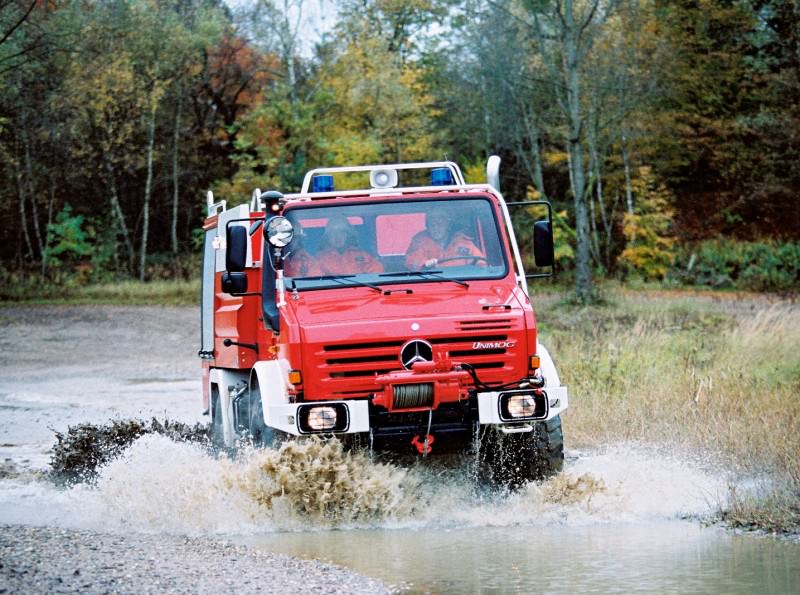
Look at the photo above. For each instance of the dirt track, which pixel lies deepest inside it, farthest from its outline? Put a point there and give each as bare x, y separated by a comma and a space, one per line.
66, 365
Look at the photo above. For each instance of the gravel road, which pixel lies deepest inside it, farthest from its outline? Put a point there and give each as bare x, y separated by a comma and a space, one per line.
51, 560
63, 365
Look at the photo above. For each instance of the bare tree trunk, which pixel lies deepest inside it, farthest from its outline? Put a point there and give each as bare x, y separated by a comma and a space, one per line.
31, 189
487, 119
535, 168
50, 201
288, 34
598, 184
148, 187
176, 173
583, 269
595, 243
627, 169
23, 217
116, 213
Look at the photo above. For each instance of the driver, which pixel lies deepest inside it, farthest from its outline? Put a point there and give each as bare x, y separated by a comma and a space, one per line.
340, 254
439, 242
299, 262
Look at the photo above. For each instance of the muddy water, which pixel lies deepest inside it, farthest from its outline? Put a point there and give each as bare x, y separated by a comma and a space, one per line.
657, 557
622, 519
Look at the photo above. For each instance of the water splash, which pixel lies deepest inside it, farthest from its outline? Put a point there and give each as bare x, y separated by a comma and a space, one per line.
318, 482
158, 485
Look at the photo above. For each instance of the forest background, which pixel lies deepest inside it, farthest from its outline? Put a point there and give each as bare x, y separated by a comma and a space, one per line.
665, 132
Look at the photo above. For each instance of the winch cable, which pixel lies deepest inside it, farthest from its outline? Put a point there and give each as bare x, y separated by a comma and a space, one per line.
479, 384
428, 434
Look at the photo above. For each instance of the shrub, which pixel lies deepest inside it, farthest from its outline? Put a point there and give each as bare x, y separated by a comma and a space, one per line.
649, 249
757, 266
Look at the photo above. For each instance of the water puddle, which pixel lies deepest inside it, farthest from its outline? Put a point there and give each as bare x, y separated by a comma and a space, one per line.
613, 521
662, 557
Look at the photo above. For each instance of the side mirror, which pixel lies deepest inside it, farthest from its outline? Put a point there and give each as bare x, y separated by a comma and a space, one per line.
234, 283
543, 244
235, 248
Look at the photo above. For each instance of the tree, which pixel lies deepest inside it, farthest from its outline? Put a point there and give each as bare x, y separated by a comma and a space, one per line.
565, 33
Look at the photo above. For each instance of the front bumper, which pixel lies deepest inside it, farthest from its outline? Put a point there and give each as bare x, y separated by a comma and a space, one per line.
484, 408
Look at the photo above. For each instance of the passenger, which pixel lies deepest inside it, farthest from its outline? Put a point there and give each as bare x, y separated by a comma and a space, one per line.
299, 262
439, 242
340, 254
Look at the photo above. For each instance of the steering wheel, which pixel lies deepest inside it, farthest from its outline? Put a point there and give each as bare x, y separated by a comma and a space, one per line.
474, 259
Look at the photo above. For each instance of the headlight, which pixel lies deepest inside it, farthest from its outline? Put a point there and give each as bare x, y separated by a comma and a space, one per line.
322, 418
279, 231
331, 417
521, 406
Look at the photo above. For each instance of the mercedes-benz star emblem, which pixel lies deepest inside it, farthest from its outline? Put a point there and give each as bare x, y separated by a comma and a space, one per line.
415, 351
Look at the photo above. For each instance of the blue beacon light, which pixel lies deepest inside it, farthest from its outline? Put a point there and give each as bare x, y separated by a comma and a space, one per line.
441, 176
322, 184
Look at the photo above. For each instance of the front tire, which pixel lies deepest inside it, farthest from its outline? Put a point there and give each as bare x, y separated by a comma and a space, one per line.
513, 460
260, 433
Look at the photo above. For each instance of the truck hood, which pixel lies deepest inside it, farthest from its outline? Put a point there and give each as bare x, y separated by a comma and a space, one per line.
359, 304
348, 337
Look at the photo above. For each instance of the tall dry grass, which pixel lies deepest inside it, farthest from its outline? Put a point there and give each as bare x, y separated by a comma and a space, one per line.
719, 380
174, 293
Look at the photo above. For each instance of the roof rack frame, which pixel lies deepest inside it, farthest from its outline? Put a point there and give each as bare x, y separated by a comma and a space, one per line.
429, 165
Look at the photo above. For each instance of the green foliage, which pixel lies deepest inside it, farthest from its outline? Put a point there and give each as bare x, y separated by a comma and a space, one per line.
650, 248
756, 266
564, 238
705, 91
67, 240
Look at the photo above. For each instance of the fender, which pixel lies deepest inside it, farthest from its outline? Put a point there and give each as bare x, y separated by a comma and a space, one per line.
273, 382
280, 413
557, 393
488, 410
547, 366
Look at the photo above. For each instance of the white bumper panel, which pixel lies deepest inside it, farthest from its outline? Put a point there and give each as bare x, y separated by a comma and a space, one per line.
489, 405
279, 413
284, 417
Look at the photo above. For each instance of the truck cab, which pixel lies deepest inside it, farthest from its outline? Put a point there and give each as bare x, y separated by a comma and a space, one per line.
386, 305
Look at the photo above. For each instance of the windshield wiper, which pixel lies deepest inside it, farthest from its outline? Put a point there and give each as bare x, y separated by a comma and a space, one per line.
432, 274
339, 279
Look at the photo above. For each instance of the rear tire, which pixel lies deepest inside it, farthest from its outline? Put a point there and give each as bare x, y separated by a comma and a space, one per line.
515, 459
217, 435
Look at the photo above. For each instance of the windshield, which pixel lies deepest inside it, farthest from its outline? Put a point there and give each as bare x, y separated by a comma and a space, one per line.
393, 242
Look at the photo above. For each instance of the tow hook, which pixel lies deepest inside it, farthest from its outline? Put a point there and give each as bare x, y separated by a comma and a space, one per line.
423, 444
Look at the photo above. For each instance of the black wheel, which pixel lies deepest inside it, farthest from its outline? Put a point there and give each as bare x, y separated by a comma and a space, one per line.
260, 433
216, 435
515, 459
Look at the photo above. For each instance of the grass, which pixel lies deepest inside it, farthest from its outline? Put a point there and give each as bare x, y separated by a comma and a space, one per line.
173, 293
699, 372
716, 376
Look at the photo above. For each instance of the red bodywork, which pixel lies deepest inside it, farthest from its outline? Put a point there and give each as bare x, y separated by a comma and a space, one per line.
345, 341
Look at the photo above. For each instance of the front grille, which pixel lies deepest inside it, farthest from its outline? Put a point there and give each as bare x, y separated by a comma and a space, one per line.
348, 370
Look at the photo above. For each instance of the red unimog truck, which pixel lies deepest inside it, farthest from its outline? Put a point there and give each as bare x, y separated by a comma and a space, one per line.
392, 313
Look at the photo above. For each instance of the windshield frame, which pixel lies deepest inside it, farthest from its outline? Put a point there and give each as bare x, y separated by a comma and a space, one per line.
458, 274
